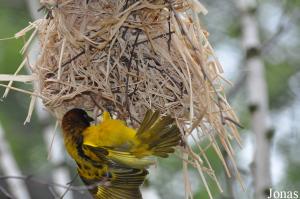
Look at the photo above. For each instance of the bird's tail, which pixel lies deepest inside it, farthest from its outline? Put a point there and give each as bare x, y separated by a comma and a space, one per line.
121, 183
125, 184
118, 193
157, 135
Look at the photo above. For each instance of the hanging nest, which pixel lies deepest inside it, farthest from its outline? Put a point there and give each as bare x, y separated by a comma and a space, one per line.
127, 56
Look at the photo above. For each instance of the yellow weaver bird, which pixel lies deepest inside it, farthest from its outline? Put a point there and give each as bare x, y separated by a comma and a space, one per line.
113, 158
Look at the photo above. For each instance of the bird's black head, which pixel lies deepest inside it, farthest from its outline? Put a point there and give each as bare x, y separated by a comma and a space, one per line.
76, 120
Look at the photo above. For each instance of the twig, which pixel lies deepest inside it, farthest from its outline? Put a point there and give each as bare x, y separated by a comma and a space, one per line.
156, 37
67, 62
234, 122
129, 69
68, 189
53, 192
5, 192
169, 26
282, 27
53, 184
73, 58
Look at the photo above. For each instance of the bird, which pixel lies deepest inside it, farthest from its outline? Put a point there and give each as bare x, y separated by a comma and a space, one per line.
112, 158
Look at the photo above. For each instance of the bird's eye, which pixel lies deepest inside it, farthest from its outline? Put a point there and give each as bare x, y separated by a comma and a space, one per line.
87, 117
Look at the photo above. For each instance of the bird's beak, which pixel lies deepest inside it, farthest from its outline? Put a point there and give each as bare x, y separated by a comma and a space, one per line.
90, 119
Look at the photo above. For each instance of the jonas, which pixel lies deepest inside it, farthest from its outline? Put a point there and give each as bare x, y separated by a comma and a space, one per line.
283, 194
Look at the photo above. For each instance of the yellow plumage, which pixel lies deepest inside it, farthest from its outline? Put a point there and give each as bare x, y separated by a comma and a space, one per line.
115, 155
119, 133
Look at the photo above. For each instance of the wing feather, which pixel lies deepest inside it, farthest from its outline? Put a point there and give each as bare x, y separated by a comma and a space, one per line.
157, 136
122, 183
125, 159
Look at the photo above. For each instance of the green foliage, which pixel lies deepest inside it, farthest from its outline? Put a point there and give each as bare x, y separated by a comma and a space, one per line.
292, 4
288, 147
293, 175
234, 30
277, 77
12, 20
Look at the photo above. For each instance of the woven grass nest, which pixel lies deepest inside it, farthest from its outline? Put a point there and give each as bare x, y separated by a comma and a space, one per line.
127, 56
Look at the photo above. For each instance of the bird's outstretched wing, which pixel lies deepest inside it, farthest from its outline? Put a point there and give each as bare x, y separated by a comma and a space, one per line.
157, 135
112, 156
119, 183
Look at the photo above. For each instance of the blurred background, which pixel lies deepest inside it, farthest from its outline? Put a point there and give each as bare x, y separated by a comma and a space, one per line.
258, 44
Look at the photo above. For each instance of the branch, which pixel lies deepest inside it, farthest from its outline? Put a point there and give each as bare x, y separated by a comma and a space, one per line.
5, 192
79, 188
234, 90
282, 27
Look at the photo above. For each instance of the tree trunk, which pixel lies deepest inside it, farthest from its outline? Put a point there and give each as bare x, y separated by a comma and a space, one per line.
258, 97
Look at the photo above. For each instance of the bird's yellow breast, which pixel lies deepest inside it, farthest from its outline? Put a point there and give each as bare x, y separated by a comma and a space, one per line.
110, 133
